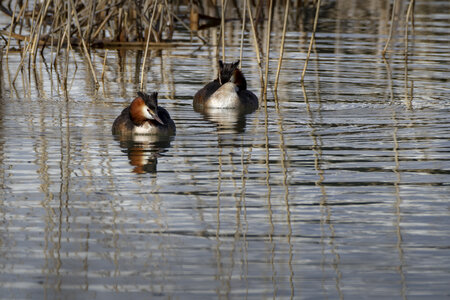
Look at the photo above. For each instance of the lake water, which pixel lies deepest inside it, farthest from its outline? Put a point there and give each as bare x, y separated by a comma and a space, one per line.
337, 189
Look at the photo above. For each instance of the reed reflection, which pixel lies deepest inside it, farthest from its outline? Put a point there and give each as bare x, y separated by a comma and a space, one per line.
232, 244
284, 167
397, 207
408, 89
325, 208
143, 151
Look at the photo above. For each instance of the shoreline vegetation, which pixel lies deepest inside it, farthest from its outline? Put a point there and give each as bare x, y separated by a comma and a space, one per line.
62, 26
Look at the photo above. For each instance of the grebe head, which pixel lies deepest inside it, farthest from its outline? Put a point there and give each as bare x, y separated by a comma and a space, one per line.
226, 71
145, 107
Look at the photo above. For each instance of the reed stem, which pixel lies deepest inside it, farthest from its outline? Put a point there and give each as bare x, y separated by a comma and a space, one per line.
146, 47
311, 41
280, 59
104, 66
36, 39
222, 25
408, 13
255, 40
391, 29
269, 29
242, 32
69, 45
9, 36
86, 52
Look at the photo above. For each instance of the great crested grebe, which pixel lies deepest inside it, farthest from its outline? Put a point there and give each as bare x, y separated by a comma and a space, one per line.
228, 90
144, 116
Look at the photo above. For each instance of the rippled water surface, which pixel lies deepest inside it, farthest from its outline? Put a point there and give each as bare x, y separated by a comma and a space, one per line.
339, 189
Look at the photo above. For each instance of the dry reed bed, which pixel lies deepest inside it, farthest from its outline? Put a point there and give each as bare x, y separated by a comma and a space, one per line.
62, 25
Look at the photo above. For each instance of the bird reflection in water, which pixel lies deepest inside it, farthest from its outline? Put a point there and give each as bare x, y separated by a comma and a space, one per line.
227, 120
143, 151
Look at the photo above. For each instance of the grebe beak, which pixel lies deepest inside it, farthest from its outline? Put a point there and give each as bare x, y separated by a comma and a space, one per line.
155, 116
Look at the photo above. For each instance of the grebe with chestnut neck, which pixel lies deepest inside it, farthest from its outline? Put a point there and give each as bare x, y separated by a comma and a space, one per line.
144, 117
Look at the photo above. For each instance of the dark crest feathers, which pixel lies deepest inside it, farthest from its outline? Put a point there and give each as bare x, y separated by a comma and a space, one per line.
150, 100
226, 71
